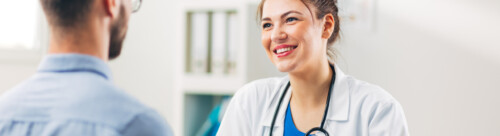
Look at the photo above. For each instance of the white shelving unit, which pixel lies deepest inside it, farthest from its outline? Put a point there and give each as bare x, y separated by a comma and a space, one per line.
196, 94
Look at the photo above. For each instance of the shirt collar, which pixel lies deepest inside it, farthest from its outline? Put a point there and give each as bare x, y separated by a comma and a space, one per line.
339, 103
73, 63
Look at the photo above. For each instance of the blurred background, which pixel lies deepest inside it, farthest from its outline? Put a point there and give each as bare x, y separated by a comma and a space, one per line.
439, 58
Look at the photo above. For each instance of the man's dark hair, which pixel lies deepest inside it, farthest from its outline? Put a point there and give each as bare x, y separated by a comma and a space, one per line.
66, 13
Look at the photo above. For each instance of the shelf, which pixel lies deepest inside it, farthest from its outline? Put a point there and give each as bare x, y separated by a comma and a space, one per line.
213, 5
198, 91
203, 84
197, 109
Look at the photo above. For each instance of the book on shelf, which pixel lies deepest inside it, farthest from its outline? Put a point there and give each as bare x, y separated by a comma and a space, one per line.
199, 24
232, 42
219, 41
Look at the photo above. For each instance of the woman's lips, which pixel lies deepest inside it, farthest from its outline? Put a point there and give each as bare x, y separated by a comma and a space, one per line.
284, 50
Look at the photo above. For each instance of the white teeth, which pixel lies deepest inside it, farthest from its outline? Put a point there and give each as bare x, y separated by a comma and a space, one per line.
283, 50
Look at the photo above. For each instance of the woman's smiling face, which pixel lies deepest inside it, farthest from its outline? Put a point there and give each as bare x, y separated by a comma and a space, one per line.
292, 35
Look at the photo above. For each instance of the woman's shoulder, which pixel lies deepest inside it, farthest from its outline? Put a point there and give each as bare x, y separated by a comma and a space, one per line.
369, 93
260, 90
263, 86
376, 108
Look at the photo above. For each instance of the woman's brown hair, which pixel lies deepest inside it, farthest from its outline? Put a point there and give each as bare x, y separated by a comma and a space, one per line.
323, 7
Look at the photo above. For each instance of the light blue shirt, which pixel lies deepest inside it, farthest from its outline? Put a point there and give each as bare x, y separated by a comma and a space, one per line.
72, 95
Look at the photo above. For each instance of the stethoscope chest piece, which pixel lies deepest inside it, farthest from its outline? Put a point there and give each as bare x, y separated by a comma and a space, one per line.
318, 130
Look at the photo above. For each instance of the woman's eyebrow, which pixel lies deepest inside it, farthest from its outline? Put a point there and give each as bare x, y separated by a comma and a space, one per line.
290, 12
283, 15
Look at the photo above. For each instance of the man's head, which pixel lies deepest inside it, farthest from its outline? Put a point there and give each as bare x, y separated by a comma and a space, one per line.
74, 16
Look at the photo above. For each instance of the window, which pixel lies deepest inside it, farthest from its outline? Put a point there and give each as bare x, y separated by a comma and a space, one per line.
23, 29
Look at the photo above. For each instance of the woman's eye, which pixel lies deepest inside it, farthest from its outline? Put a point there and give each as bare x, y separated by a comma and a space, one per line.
266, 25
291, 19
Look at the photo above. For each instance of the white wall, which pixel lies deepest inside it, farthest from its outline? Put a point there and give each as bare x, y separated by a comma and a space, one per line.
439, 58
145, 68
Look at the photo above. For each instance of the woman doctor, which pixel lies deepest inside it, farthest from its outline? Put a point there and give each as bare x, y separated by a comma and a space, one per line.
316, 97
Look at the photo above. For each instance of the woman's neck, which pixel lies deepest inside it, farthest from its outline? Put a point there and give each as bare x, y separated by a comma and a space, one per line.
310, 87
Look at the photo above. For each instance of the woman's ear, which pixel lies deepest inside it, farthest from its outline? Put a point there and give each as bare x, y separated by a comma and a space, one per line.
111, 7
328, 26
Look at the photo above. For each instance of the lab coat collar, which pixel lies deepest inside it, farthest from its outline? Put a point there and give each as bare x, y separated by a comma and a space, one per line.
338, 108
340, 97
273, 103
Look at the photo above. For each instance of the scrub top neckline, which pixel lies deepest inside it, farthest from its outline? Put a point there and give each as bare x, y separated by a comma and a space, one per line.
290, 128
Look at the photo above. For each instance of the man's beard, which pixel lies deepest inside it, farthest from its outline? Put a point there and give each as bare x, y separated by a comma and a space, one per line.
118, 32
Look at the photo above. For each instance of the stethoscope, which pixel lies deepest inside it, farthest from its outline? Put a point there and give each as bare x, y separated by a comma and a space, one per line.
319, 129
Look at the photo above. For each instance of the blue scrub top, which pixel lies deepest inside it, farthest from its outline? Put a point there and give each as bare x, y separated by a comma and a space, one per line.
290, 129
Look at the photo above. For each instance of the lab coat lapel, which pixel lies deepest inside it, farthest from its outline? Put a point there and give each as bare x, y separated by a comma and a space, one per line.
271, 108
340, 97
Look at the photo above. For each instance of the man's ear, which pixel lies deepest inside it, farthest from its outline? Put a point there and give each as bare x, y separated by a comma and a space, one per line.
328, 26
111, 7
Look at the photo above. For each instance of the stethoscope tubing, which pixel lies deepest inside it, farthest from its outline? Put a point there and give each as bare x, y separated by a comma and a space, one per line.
321, 128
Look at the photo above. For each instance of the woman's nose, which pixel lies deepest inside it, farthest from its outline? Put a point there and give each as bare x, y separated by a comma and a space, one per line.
278, 35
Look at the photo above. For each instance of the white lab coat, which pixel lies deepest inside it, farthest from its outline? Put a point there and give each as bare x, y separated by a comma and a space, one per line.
357, 108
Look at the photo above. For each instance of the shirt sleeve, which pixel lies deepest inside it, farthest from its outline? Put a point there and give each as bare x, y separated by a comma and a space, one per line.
388, 120
236, 121
148, 124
